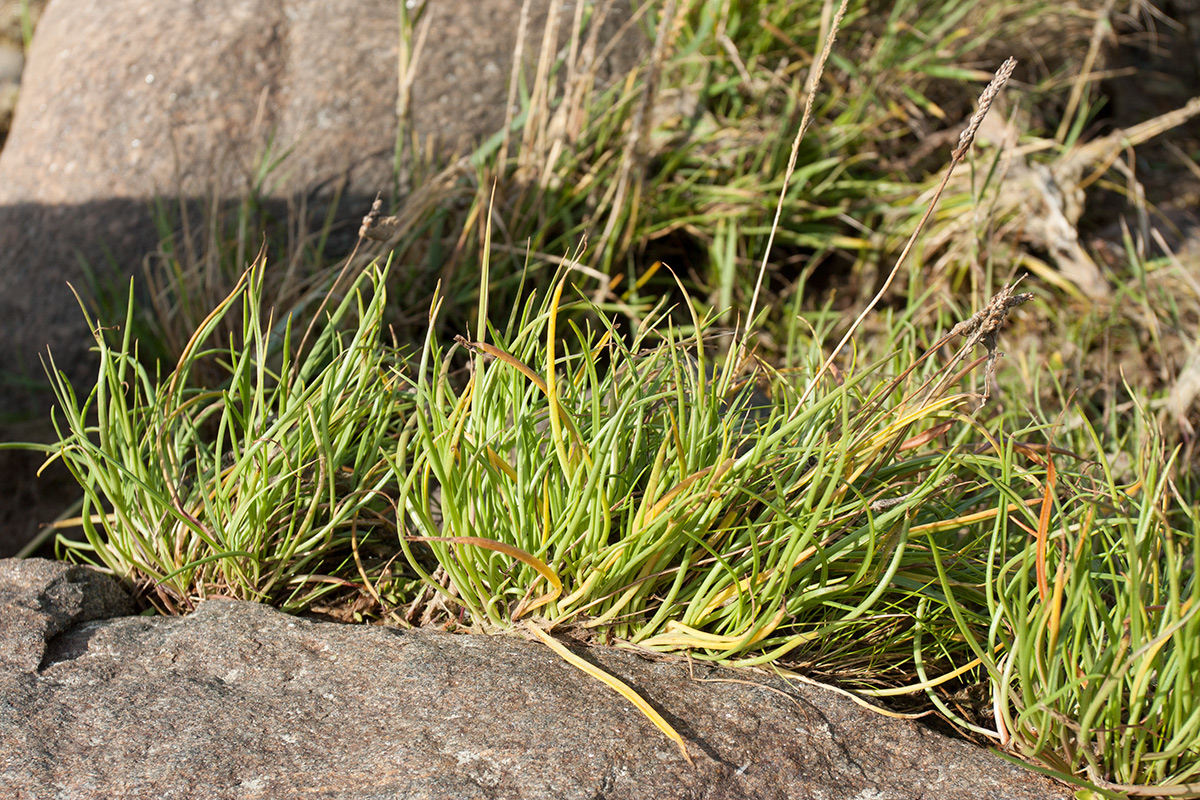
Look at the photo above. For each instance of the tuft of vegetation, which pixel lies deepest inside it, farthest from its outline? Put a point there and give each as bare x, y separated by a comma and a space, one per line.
680, 438
268, 486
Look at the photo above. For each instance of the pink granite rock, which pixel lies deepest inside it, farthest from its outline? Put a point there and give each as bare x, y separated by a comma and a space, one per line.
239, 700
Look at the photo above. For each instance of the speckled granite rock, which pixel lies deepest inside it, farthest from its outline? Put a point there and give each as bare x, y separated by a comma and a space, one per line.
241, 701
41, 599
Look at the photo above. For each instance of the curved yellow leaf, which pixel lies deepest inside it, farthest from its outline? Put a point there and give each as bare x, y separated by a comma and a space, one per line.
680, 635
617, 685
542, 568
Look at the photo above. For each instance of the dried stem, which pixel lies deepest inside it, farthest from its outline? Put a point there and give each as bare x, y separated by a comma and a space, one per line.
805, 120
964, 145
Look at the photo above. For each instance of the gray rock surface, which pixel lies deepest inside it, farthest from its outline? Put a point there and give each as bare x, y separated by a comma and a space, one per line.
41, 599
125, 100
241, 701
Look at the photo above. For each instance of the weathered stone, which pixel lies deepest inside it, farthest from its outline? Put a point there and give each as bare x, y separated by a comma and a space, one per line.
239, 700
126, 100
41, 599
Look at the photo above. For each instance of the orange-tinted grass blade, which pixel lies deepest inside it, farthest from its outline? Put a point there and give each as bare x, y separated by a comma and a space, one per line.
1044, 529
511, 360
926, 437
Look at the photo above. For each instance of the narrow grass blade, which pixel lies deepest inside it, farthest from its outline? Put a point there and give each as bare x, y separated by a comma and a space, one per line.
617, 685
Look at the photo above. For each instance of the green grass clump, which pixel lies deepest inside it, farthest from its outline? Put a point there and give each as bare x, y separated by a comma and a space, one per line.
1095, 628
605, 455
636, 483
265, 487
640, 488
628, 484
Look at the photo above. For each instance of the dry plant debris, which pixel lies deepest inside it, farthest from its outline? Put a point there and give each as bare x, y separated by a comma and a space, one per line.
983, 327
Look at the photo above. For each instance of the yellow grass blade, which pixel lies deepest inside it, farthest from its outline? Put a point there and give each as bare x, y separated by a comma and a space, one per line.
680, 635
617, 685
500, 464
514, 552
726, 595
967, 519
556, 415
